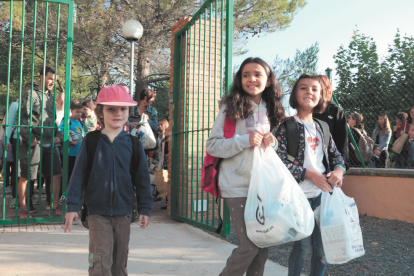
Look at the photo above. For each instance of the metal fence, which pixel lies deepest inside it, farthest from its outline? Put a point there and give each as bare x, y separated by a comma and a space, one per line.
377, 95
202, 58
29, 45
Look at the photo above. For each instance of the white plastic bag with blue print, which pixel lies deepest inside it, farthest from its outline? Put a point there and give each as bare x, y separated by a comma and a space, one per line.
146, 136
277, 211
340, 229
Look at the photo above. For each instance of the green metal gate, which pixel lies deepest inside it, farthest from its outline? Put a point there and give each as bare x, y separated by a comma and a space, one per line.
199, 60
29, 53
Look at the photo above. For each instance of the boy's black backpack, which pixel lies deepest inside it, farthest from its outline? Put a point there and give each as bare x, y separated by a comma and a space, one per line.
292, 136
91, 144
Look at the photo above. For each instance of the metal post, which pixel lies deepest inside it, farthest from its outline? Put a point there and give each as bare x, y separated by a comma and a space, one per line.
328, 74
229, 46
131, 73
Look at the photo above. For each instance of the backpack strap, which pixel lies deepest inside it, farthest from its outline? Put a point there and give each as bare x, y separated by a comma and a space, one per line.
325, 130
91, 143
135, 157
92, 139
292, 135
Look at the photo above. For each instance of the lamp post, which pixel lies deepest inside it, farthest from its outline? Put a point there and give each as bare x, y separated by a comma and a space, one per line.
328, 73
132, 31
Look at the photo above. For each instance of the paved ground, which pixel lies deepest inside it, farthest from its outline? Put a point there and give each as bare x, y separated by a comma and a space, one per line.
166, 247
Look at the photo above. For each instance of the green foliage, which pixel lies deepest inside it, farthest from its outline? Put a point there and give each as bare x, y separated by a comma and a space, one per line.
287, 71
370, 85
161, 103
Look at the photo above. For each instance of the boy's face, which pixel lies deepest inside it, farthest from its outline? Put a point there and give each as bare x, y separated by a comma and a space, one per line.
87, 111
115, 117
411, 132
76, 114
377, 152
161, 127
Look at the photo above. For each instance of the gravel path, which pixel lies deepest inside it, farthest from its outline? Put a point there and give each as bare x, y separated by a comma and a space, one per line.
389, 250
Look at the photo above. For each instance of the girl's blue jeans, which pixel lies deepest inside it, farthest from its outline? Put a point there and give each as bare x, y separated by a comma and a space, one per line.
302, 248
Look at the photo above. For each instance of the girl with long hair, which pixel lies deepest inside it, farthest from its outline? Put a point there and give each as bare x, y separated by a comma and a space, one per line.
255, 105
382, 136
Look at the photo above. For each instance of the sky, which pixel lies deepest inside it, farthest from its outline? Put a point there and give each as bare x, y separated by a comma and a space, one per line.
331, 23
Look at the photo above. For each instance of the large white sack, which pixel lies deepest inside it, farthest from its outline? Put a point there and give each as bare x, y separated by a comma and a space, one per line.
277, 211
340, 229
147, 137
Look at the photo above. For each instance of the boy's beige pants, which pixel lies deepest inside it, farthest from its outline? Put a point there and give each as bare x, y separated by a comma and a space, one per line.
108, 245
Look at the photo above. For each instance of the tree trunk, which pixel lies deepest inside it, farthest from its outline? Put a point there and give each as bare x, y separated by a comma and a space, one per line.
102, 76
143, 68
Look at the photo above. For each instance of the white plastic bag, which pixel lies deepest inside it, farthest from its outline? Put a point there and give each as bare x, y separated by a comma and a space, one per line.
340, 229
277, 211
147, 137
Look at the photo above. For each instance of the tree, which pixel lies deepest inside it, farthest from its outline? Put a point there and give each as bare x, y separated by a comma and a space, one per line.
371, 85
102, 54
287, 71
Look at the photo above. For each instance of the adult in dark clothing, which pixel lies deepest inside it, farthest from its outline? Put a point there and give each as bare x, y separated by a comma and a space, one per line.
400, 159
357, 127
334, 116
410, 118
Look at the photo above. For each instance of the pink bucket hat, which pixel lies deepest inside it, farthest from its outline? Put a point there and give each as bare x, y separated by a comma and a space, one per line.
115, 95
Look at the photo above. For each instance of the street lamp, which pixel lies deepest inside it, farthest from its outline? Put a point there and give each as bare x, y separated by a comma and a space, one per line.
132, 31
328, 73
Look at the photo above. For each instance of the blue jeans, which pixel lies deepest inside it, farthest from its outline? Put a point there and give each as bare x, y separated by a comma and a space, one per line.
302, 248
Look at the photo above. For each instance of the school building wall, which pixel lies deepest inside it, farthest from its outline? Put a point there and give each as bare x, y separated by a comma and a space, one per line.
382, 193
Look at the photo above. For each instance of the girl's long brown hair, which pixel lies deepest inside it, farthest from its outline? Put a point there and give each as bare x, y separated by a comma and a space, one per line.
386, 127
239, 105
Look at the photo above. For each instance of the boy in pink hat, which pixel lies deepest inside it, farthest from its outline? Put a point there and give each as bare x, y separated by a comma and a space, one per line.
109, 183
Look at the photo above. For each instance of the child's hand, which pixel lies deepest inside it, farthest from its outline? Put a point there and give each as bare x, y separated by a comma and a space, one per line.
268, 139
144, 116
69, 217
256, 139
335, 177
73, 143
319, 180
143, 220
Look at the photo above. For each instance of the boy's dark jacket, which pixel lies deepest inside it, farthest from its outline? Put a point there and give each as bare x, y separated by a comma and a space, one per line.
334, 116
109, 190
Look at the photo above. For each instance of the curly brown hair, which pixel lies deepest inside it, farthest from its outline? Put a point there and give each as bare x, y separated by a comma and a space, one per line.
239, 105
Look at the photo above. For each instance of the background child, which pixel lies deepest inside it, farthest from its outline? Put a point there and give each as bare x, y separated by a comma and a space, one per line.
75, 133
163, 149
255, 104
375, 159
135, 126
308, 168
90, 122
109, 193
410, 160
